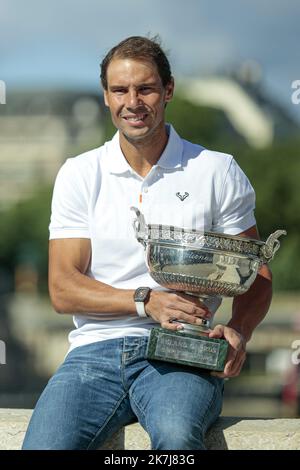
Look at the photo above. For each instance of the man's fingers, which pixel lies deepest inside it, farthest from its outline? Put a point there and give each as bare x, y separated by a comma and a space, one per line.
232, 354
184, 317
235, 368
192, 309
236, 354
173, 322
162, 306
217, 332
193, 302
190, 319
221, 375
232, 368
234, 338
171, 325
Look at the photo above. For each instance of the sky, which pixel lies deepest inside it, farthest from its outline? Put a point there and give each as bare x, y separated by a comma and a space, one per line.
60, 43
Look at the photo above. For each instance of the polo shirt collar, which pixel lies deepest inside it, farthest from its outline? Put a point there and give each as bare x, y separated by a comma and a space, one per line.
172, 154
171, 157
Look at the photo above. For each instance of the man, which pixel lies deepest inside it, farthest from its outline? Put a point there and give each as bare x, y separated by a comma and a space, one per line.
96, 265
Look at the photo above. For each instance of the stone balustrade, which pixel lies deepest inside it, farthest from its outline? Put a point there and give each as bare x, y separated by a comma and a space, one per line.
228, 433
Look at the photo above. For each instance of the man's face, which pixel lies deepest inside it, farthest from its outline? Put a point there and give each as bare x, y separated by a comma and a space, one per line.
136, 98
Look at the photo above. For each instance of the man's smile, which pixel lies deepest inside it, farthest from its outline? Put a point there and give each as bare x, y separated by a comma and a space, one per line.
136, 119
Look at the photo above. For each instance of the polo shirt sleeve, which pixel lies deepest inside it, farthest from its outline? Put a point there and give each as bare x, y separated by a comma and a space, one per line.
69, 209
235, 212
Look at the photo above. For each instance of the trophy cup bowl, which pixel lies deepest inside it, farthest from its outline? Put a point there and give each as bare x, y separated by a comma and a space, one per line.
203, 264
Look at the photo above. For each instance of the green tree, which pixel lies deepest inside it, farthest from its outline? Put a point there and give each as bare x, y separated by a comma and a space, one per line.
24, 234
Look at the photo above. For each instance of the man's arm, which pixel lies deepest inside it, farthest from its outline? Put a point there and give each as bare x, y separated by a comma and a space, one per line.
73, 291
248, 310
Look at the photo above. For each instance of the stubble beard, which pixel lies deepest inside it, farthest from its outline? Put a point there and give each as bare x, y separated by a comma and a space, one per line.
144, 140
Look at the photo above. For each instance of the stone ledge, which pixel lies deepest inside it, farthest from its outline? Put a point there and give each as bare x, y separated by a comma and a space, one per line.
228, 433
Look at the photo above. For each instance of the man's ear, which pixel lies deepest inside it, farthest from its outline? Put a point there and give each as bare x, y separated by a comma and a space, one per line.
105, 95
169, 90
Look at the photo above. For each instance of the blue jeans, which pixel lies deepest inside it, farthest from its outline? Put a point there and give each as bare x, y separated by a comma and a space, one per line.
103, 386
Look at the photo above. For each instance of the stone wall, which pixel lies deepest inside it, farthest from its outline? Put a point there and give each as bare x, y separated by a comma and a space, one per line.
228, 433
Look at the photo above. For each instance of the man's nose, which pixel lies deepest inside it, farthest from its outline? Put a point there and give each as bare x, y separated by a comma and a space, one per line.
134, 99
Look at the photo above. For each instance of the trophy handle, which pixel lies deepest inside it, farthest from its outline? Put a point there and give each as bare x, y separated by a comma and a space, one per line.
271, 245
139, 226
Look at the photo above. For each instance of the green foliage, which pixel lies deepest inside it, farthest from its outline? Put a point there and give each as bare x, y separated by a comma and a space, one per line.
24, 234
274, 172
201, 125
108, 128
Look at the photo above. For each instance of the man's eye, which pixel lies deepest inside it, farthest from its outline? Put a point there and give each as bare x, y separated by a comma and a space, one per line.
119, 91
145, 89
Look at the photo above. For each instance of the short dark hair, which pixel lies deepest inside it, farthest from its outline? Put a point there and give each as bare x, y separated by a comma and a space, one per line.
139, 47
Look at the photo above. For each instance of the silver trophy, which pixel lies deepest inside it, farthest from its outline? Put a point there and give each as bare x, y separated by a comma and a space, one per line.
204, 264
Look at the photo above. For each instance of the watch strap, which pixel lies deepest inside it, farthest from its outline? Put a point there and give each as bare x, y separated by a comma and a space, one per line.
140, 308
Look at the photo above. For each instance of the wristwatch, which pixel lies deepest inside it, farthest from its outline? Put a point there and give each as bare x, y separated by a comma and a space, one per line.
141, 295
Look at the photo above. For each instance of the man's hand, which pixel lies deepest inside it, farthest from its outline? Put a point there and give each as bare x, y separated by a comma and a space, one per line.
164, 307
237, 350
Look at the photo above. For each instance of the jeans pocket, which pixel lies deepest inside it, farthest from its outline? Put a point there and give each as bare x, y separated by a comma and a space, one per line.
134, 348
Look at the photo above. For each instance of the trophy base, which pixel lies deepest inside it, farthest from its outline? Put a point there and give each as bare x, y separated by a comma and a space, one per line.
190, 347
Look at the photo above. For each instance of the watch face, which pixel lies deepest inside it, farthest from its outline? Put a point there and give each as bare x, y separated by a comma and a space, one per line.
141, 294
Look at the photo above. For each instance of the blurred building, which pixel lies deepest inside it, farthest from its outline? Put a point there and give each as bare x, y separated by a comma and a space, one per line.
253, 114
38, 131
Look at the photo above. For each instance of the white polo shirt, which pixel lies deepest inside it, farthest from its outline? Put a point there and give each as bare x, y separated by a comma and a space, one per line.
189, 186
